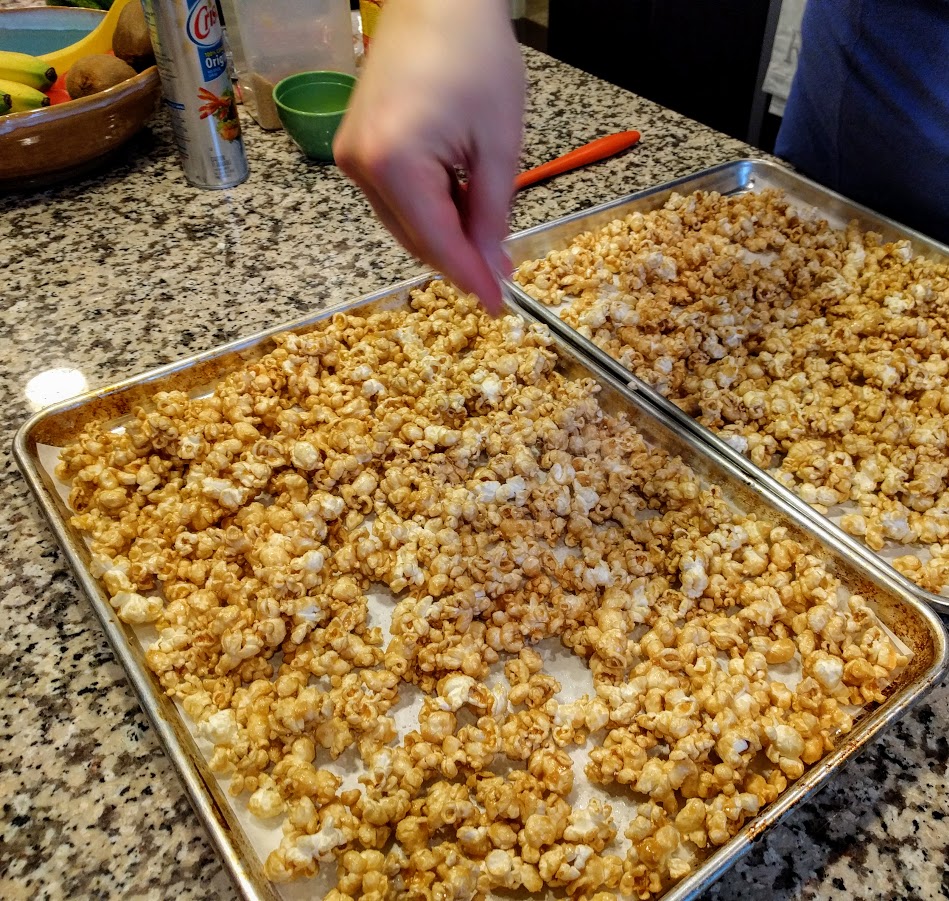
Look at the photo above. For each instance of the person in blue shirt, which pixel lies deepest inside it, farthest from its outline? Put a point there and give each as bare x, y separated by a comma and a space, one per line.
443, 86
868, 113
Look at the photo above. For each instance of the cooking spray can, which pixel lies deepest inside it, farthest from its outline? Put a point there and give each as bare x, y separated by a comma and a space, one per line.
189, 49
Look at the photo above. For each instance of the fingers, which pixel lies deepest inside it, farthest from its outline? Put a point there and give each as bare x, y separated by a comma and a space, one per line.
413, 198
350, 161
428, 213
486, 205
389, 219
488, 201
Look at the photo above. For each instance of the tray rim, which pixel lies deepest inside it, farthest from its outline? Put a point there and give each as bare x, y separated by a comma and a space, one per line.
202, 790
744, 170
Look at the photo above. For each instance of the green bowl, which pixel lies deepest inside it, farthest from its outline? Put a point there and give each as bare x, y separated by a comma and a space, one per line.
311, 106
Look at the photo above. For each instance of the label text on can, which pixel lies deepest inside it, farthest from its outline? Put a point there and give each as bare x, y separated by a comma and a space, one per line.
204, 31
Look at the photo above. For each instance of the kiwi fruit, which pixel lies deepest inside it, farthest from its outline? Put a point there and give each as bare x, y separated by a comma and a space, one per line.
95, 73
130, 40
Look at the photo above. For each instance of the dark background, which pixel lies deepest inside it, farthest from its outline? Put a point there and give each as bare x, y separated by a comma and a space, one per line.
698, 57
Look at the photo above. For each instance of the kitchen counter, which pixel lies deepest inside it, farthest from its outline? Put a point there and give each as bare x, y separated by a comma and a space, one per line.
133, 268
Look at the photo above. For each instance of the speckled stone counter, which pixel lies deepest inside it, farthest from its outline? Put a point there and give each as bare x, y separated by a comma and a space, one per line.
122, 272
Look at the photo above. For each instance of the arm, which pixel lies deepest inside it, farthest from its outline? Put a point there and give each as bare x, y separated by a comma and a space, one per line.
443, 87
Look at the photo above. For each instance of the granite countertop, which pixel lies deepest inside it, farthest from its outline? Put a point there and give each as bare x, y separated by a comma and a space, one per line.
134, 268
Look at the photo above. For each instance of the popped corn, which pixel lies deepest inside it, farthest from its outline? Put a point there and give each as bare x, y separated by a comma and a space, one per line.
818, 352
501, 505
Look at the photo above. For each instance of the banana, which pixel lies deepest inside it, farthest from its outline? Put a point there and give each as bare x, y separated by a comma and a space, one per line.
22, 97
26, 69
5, 103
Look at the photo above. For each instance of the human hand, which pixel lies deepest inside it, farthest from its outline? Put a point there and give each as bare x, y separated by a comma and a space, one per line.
443, 87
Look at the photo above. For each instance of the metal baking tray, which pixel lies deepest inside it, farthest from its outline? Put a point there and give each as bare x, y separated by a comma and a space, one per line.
897, 608
738, 177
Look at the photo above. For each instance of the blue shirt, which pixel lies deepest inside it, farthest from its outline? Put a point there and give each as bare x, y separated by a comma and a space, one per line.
868, 113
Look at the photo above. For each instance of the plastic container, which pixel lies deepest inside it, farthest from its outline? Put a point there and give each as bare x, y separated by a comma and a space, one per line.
272, 40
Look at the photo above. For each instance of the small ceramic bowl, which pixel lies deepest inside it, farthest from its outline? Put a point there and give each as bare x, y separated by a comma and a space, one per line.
311, 106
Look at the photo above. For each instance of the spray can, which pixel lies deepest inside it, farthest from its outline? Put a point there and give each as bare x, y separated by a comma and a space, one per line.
189, 49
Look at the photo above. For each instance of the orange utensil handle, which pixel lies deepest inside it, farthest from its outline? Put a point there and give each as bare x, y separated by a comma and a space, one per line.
596, 150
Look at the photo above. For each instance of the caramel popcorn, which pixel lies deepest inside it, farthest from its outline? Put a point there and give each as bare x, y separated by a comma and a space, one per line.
500, 506
818, 352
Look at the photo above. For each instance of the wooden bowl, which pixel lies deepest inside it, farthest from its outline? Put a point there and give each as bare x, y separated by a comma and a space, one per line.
55, 143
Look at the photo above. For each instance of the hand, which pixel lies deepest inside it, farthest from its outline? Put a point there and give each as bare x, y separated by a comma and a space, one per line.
443, 87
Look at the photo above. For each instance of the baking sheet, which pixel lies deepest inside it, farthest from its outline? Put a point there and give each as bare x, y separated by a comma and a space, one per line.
739, 177
239, 838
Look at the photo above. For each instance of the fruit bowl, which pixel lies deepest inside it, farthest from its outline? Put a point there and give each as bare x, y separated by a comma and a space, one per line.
66, 140
58, 142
